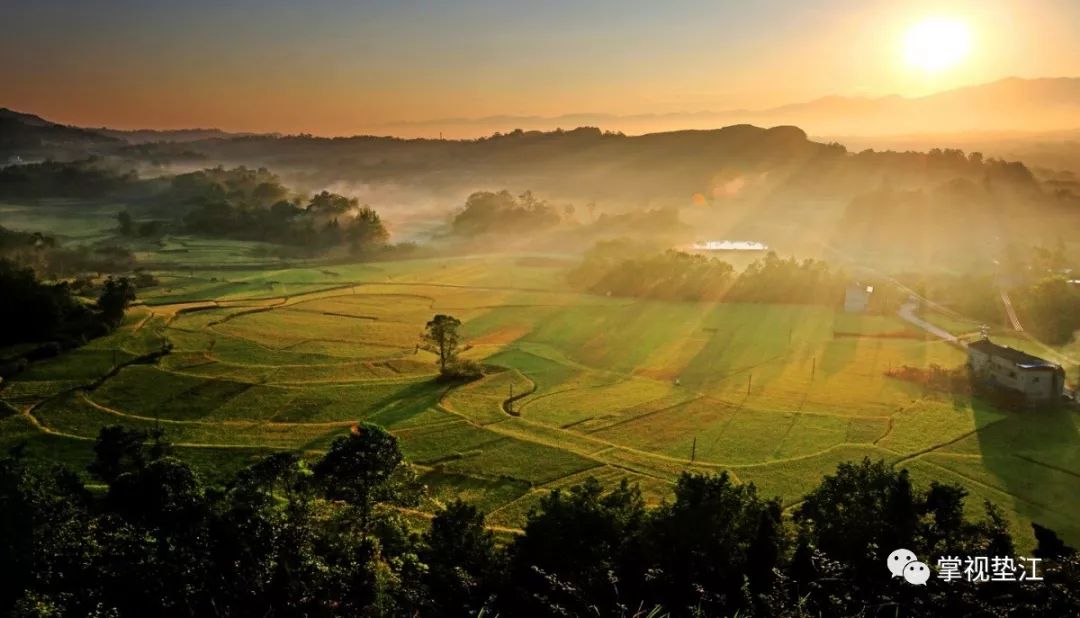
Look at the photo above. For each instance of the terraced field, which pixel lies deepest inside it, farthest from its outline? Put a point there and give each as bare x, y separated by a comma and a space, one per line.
235, 363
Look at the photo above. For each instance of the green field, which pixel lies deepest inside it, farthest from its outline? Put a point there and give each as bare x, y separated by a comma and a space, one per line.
267, 357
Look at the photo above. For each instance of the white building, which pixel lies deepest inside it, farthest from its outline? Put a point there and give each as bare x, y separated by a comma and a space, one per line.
1038, 379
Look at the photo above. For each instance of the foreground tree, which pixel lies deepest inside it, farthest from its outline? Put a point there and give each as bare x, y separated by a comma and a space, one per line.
716, 546
117, 451
285, 538
463, 565
364, 468
580, 553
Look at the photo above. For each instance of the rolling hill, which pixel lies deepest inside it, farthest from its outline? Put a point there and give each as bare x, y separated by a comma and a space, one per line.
28, 136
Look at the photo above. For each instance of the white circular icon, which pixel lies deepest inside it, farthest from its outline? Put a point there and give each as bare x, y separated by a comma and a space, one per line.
900, 559
916, 573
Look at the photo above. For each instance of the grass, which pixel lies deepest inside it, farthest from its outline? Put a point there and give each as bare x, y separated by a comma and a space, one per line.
482, 401
956, 325
486, 494
580, 402
289, 357
446, 441
928, 423
528, 461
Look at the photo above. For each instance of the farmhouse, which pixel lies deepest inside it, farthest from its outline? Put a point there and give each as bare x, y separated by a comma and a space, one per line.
857, 297
1038, 379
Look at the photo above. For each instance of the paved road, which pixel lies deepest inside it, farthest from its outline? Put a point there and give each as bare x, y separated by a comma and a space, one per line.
907, 313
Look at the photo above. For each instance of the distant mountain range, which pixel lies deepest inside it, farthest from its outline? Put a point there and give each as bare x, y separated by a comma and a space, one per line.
1008, 105
1011, 104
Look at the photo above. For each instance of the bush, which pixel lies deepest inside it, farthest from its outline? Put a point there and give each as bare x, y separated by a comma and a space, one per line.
144, 279
462, 369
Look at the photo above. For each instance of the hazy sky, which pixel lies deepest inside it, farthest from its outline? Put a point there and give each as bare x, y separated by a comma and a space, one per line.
347, 67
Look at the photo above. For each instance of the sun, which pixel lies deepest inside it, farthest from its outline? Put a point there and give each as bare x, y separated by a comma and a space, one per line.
936, 45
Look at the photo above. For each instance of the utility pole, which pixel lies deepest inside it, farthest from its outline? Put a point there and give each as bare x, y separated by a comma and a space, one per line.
813, 368
693, 450
749, 383
510, 401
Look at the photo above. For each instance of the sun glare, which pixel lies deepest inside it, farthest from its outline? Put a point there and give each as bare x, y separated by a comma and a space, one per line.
937, 44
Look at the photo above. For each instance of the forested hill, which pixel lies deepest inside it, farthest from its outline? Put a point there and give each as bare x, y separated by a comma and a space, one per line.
778, 166
28, 136
589, 164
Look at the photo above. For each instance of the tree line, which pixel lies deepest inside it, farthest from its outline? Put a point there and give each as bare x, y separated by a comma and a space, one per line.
332, 536
252, 204
487, 212
612, 267
48, 258
239, 203
51, 316
626, 268
773, 279
88, 178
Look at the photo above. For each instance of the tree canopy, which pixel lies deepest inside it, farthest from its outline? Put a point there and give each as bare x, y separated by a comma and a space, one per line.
441, 337
489, 212
252, 204
327, 535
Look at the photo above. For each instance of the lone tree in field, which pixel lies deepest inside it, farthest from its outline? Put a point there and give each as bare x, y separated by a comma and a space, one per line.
441, 336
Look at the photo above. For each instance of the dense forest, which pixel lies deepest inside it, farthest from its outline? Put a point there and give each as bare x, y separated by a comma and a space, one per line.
332, 536
51, 316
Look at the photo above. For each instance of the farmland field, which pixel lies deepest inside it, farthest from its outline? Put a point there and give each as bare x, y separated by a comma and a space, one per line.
267, 356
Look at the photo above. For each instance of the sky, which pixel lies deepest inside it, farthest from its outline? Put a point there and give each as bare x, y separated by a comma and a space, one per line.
341, 68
